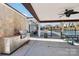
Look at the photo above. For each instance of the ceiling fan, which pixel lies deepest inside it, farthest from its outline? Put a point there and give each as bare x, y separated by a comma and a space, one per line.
69, 12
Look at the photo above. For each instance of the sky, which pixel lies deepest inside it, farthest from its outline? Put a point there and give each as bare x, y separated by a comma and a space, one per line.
58, 23
20, 8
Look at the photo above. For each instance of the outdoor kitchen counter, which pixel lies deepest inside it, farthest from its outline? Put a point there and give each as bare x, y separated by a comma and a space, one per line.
9, 44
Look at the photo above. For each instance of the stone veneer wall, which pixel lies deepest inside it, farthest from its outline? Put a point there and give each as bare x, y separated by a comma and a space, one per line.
10, 20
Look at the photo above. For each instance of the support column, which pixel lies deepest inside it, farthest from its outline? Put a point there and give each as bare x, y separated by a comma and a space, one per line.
62, 29
51, 31
38, 29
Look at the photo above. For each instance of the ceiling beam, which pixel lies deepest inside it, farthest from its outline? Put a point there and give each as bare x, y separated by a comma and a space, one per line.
29, 7
66, 20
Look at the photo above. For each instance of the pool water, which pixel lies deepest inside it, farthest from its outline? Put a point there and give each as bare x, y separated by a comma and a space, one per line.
71, 32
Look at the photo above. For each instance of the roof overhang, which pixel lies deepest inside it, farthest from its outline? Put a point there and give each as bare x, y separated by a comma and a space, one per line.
45, 12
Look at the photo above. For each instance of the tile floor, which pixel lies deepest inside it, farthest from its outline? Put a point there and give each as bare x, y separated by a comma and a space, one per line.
47, 48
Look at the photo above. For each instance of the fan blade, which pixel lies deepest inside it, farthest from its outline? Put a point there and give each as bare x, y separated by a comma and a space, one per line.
61, 15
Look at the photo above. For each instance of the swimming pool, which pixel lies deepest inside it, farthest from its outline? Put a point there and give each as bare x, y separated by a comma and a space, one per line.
71, 32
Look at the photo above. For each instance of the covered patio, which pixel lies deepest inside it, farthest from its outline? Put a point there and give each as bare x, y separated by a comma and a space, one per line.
55, 36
